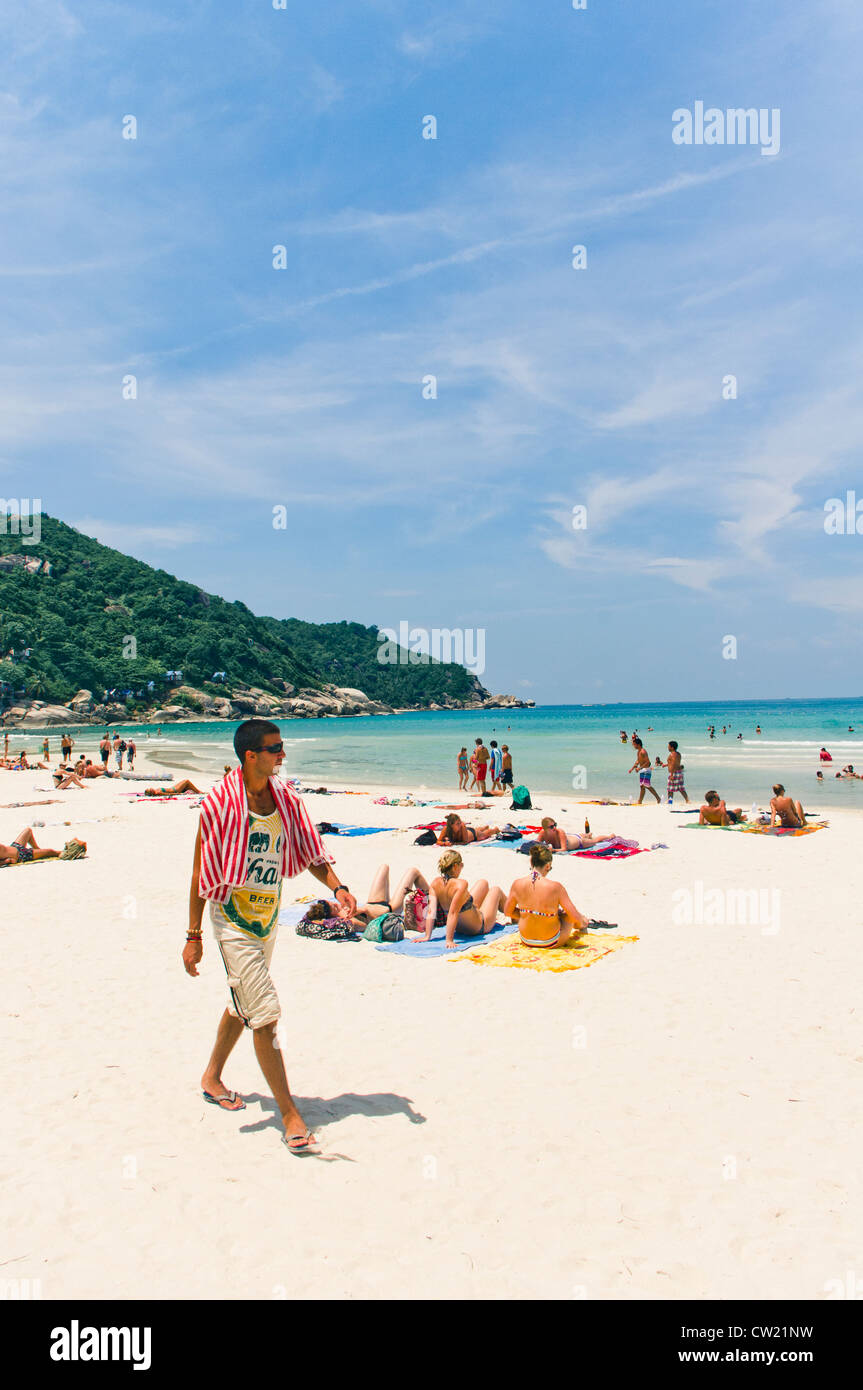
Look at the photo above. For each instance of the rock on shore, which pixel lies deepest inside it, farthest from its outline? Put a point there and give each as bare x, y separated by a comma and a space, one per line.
193, 706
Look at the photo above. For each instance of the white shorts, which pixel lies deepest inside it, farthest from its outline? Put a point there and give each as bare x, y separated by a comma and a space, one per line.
252, 995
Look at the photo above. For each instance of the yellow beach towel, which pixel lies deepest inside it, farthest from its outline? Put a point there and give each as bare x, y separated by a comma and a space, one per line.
510, 952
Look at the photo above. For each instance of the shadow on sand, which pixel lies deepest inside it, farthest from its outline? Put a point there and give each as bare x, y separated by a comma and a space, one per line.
319, 1113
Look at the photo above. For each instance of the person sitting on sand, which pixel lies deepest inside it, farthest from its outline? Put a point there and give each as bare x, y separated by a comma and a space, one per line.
179, 789
544, 911
789, 813
564, 841
380, 899
451, 905
455, 832
715, 812
24, 850
66, 777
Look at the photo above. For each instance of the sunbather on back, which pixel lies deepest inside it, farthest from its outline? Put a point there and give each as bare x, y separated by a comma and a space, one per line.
24, 850
564, 841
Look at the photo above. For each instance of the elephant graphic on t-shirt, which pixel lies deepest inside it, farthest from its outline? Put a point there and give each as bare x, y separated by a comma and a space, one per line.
259, 840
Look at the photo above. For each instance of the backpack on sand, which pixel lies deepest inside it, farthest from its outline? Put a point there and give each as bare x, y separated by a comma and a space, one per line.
520, 799
327, 929
388, 927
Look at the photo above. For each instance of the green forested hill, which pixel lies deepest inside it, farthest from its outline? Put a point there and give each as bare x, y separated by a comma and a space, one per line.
68, 629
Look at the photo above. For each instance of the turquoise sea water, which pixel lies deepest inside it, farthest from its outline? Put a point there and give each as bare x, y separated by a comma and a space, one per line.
568, 749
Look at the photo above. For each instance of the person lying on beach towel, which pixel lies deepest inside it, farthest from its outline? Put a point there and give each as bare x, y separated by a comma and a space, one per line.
542, 908
564, 841
455, 832
715, 812
20, 764
178, 790
470, 912
24, 850
380, 900
789, 814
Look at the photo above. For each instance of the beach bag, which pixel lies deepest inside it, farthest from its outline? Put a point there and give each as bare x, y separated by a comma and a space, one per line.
527, 846
388, 927
509, 832
520, 799
415, 909
327, 929
428, 837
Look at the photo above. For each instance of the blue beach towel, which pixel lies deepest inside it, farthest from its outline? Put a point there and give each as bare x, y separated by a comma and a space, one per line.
357, 829
424, 950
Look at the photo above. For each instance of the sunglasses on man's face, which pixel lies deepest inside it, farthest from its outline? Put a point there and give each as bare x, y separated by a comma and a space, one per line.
271, 748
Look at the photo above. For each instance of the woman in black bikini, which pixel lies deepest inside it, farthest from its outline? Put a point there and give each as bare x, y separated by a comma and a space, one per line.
380, 900
451, 905
455, 832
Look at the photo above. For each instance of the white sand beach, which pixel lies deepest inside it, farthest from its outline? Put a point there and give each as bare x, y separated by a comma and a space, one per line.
681, 1120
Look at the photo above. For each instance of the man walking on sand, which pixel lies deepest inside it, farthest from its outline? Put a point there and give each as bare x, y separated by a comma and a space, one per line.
642, 763
254, 832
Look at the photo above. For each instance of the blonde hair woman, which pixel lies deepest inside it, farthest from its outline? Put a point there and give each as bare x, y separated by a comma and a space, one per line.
470, 912
544, 911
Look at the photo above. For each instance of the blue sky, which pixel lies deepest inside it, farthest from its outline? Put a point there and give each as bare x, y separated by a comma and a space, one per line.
406, 257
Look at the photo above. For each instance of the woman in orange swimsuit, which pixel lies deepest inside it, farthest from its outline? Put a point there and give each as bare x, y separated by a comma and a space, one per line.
544, 911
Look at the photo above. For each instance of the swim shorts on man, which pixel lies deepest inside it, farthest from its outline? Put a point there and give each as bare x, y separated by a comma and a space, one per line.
246, 925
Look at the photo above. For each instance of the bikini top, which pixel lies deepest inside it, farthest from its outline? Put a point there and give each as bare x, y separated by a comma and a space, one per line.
535, 911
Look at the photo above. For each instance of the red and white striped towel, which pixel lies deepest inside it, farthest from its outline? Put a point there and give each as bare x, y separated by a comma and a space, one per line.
225, 836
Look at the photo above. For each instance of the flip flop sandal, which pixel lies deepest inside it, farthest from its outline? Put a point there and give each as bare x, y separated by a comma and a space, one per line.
219, 1100
301, 1148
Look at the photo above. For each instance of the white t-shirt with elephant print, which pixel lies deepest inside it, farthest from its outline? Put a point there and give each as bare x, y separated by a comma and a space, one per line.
253, 909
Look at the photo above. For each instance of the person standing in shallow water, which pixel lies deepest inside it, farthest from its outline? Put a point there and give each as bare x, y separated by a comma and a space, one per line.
254, 832
462, 766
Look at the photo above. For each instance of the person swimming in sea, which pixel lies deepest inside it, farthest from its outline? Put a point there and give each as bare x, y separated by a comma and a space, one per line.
544, 911
470, 912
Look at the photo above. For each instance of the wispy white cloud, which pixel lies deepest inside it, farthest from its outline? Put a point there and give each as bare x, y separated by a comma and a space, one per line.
127, 536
